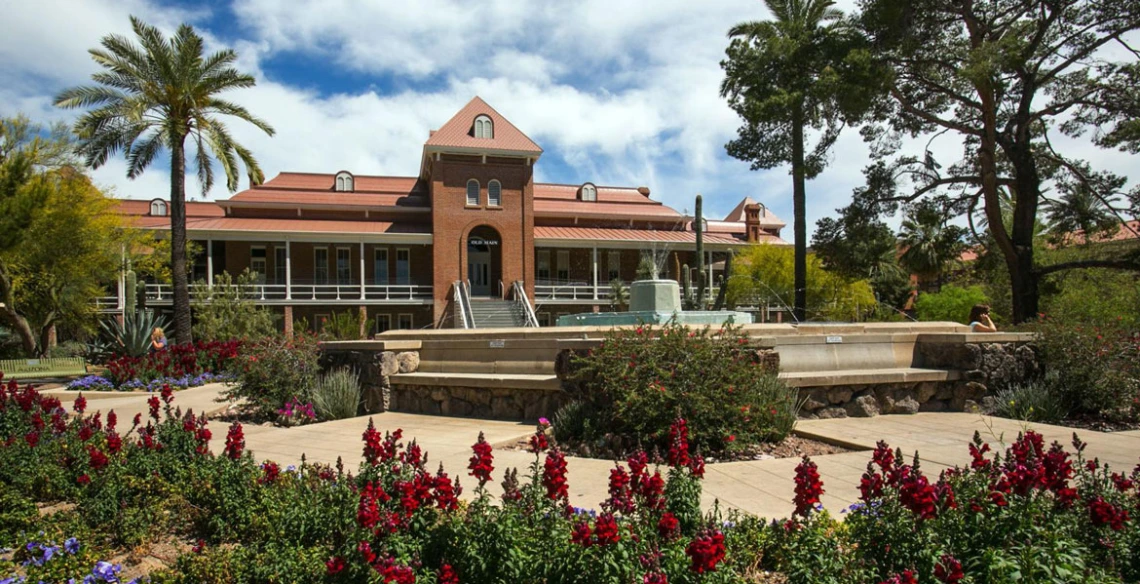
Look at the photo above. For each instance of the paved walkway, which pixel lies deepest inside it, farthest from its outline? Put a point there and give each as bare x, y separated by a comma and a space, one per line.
764, 487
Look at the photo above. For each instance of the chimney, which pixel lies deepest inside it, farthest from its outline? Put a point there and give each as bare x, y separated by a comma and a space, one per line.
752, 222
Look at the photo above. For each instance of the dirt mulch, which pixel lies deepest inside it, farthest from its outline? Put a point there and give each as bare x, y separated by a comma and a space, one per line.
1098, 424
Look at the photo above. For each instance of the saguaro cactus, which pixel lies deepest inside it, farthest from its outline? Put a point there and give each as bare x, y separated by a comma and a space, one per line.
722, 294
130, 295
686, 288
699, 228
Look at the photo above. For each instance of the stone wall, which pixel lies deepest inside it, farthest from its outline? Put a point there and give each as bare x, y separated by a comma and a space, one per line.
985, 369
373, 369
476, 402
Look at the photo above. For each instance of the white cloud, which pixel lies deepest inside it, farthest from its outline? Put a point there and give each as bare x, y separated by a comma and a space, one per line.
623, 93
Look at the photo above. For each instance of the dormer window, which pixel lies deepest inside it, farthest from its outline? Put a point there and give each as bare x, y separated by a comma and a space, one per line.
344, 182
588, 192
472, 192
483, 127
158, 208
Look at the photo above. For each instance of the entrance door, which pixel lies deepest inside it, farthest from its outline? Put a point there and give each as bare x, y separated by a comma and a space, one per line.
479, 269
483, 269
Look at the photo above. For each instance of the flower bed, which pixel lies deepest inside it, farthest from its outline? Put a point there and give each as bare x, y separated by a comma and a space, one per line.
1032, 514
179, 366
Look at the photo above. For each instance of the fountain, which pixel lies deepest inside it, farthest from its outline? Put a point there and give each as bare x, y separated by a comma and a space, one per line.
658, 301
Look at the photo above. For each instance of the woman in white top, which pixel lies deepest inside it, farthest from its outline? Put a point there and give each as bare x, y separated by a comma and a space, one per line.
980, 319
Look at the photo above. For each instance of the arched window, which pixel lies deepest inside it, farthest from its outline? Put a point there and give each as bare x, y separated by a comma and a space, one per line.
472, 192
589, 192
344, 182
484, 127
158, 208
494, 193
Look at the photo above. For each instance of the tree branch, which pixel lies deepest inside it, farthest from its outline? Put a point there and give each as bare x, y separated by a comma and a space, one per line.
931, 118
1128, 265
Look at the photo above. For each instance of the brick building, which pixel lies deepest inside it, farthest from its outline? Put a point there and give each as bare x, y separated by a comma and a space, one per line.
471, 234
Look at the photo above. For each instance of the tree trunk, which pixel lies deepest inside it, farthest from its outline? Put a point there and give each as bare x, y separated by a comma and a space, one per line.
799, 211
178, 241
1023, 276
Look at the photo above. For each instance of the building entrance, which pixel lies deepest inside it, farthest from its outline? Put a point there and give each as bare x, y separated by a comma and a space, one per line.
483, 262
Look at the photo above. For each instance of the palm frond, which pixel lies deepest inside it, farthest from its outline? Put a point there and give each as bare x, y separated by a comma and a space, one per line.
87, 96
139, 156
228, 108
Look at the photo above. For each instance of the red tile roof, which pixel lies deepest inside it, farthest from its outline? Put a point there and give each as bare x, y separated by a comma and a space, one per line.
635, 235
1126, 231
332, 199
247, 224
562, 200
309, 181
767, 217
193, 208
458, 132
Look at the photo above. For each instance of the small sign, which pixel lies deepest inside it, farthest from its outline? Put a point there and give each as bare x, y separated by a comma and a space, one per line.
498, 344
834, 339
33, 361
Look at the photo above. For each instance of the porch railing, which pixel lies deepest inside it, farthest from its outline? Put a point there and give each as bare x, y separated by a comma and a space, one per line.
305, 291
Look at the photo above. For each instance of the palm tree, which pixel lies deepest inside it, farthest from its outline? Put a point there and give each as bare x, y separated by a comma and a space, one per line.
783, 76
159, 95
929, 244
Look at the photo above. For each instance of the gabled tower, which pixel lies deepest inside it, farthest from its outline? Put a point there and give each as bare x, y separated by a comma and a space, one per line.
479, 171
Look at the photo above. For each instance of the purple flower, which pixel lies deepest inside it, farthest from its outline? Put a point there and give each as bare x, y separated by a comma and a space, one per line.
71, 546
106, 571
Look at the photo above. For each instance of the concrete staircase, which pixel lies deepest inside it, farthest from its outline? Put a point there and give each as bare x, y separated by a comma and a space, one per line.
493, 313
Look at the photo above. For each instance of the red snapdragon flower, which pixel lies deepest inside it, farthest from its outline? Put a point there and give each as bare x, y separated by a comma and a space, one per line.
870, 484
809, 487
606, 530
906, 577
167, 393
83, 480
112, 420
32, 438
554, 475
235, 441
80, 403
269, 473
1102, 512
154, 405
621, 499
95, 458
948, 570
678, 455
918, 495
446, 492
334, 565
655, 578
669, 527
580, 534
447, 575
706, 551
114, 442
481, 463
372, 443
653, 492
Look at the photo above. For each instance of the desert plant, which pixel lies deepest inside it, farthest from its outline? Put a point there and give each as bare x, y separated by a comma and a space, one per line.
337, 394
131, 337
951, 304
227, 310
274, 371
346, 326
640, 379
1097, 365
619, 295
1039, 400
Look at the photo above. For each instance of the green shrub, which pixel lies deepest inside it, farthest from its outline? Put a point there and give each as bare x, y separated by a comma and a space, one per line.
1033, 401
1097, 366
227, 310
69, 349
639, 380
345, 326
274, 371
951, 304
337, 394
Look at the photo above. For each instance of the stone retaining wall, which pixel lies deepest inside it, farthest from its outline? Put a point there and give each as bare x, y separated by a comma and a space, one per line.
476, 402
373, 369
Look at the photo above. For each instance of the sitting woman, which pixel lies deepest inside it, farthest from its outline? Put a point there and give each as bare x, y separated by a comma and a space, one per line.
157, 340
980, 319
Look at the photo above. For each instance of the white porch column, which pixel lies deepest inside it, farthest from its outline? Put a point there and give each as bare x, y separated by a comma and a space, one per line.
594, 261
210, 262
288, 272
362, 271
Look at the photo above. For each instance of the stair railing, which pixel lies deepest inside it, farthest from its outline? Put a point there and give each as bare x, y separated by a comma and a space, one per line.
522, 299
461, 300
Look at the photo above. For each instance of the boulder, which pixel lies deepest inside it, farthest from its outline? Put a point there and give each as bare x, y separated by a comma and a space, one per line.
409, 361
839, 394
906, 405
388, 363
925, 391
831, 413
863, 407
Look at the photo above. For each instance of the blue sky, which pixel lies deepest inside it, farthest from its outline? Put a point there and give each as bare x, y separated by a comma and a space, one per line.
616, 92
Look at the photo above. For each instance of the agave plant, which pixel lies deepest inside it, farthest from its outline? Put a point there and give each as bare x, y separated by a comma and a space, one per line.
132, 336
